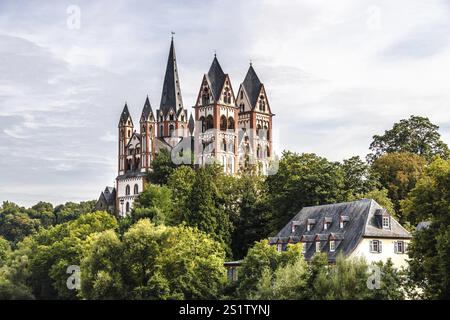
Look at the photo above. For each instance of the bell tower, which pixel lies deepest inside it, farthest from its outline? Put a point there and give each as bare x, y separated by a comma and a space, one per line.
148, 133
217, 113
125, 133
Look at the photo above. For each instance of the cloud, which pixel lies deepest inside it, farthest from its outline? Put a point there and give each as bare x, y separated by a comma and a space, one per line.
335, 76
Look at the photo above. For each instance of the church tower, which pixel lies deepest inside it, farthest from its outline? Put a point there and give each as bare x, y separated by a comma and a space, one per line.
171, 116
255, 122
148, 133
216, 113
125, 133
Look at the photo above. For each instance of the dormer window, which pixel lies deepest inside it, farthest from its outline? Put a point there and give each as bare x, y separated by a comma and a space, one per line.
294, 226
343, 221
317, 246
310, 224
386, 222
332, 245
327, 223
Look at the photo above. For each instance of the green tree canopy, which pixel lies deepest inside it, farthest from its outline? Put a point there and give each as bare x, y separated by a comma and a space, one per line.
153, 262
399, 173
162, 167
415, 135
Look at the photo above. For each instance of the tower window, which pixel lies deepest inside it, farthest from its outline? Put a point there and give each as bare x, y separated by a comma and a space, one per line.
171, 129
230, 123
127, 190
136, 189
223, 123
127, 207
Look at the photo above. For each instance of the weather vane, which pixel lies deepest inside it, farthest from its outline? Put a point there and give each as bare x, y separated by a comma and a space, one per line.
172, 32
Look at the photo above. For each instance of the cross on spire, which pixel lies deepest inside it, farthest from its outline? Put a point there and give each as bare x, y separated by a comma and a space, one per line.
173, 33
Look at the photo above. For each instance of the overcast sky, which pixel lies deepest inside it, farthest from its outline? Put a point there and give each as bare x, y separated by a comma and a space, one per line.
335, 76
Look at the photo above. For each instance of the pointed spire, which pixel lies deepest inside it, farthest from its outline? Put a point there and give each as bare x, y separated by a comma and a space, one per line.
171, 92
216, 78
252, 85
147, 110
125, 114
191, 124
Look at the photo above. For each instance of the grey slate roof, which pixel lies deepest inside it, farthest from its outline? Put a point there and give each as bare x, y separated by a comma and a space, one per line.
361, 215
110, 194
125, 114
252, 86
216, 78
423, 225
147, 110
171, 92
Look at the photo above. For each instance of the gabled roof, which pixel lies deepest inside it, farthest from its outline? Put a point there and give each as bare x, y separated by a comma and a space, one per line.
147, 110
171, 92
252, 86
125, 115
110, 195
361, 223
216, 78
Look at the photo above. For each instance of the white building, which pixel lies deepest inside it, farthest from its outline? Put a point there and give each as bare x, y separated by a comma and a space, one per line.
356, 229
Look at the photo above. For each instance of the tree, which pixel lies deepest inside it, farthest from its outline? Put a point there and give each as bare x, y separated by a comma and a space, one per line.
44, 212
180, 182
71, 210
288, 282
253, 221
155, 262
399, 173
162, 167
358, 177
303, 180
5, 249
429, 253
155, 203
15, 223
206, 209
51, 251
262, 258
415, 135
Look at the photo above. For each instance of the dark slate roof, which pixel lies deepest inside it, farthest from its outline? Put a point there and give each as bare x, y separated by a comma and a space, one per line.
216, 78
147, 110
110, 195
171, 92
125, 114
361, 215
252, 86
191, 124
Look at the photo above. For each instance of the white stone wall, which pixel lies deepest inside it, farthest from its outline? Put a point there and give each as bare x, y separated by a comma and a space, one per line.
387, 251
121, 193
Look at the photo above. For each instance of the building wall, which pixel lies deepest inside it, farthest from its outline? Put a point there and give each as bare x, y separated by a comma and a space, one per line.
121, 193
388, 251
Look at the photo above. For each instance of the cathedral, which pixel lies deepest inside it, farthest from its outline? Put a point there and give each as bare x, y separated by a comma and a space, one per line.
224, 128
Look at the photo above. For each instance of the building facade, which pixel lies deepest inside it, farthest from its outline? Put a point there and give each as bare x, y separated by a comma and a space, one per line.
355, 229
233, 131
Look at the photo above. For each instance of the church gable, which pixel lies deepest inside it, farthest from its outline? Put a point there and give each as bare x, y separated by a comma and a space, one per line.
227, 94
135, 141
262, 103
242, 100
204, 96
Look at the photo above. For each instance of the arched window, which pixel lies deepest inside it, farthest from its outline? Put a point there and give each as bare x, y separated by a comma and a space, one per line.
258, 129
127, 190
202, 119
171, 117
129, 133
265, 131
171, 129
161, 130
258, 151
223, 123
136, 189
242, 108
242, 94
224, 145
230, 123
268, 134
209, 122
127, 207
267, 152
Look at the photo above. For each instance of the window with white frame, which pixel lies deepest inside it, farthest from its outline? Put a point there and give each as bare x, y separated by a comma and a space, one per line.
332, 246
375, 246
304, 248
317, 246
279, 247
399, 247
386, 224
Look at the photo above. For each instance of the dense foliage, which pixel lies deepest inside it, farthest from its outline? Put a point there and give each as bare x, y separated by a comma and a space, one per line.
187, 222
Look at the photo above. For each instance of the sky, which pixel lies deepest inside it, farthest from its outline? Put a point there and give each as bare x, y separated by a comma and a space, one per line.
335, 75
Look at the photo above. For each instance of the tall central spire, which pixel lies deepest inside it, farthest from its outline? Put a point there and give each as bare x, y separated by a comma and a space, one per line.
171, 92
